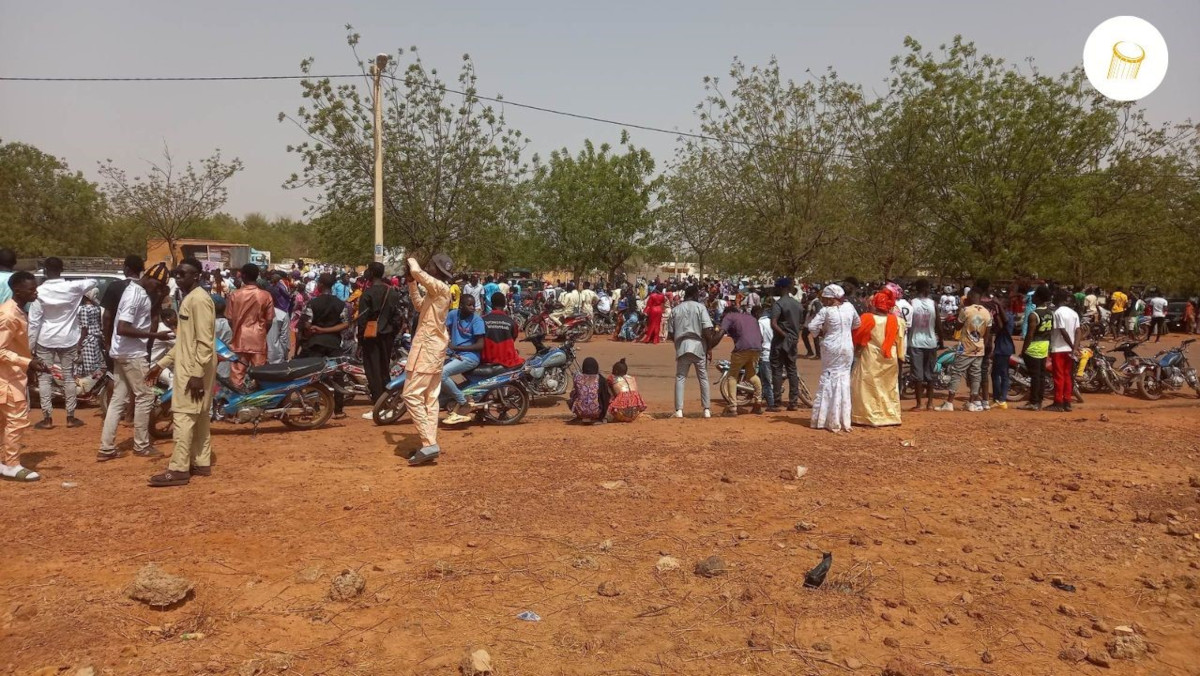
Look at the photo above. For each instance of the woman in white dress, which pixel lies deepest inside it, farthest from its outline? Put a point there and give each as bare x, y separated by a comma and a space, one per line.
834, 326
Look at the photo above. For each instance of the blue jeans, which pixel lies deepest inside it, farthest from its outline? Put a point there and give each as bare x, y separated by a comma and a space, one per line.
454, 367
764, 374
1001, 380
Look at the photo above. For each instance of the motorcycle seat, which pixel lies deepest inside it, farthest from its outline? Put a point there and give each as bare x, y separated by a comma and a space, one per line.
485, 371
288, 370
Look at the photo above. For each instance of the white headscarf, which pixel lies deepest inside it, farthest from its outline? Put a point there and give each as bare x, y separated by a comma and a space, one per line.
833, 291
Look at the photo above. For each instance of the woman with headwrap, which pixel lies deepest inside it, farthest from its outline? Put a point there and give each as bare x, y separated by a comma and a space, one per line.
879, 344
590, 395
654, 315
833, 326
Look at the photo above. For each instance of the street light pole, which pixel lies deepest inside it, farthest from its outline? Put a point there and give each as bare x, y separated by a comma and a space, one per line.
377, 69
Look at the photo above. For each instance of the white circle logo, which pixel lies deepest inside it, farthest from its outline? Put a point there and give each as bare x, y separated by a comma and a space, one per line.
1125, 58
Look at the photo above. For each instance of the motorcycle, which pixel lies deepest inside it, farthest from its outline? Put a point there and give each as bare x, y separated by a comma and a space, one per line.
550, 370
1020, 381
349, 379
1096, 372
606, 322
745, 390
941, 375
88, 389
293, 392
577, 328
1169, 370
499, 396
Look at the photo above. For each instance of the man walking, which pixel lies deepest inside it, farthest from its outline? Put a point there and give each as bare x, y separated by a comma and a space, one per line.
251, 312
15, 362
785, 327
976, 323
128, 351
428, 354
1064, 350
54, 336
279, 335
194, 357
320, 329
747, 347
691, 325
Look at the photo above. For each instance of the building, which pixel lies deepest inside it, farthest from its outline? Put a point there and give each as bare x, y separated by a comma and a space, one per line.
211, 254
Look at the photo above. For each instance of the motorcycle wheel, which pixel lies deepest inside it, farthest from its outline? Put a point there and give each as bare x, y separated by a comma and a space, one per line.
806, 398
506, 405
721, 388
584, 334
162, 422
1090, 381
1017, 391
103, 397
1148, 386
315, 396
1112, 381
390, 408
533, 329
908, 388
745, 394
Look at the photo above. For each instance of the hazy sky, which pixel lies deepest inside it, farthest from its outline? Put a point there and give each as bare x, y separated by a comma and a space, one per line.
639, 62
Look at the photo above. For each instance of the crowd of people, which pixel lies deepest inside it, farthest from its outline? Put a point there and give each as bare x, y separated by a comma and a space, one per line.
162, 327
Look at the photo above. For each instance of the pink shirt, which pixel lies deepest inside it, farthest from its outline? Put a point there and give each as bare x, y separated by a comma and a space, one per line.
250, 311
431, 338
14, 352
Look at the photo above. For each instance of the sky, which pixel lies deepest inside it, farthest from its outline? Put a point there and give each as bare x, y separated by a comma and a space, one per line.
639, 62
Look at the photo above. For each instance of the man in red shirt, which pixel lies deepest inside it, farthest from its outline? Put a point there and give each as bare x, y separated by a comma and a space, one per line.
250, 311
499, 341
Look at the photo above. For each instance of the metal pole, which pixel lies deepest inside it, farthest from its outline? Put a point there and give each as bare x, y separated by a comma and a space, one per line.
377, 71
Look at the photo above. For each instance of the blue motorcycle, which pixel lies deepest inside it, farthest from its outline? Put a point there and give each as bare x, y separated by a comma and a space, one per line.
291, 392
498, 396
550, 370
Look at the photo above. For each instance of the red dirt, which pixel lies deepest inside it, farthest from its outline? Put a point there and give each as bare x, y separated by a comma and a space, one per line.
946, 534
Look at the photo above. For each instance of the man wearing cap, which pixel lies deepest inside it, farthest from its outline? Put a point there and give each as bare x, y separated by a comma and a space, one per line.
54, 335
129, 350
428, 354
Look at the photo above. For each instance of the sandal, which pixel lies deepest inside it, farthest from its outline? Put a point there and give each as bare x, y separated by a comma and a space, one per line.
22, 475
170, 478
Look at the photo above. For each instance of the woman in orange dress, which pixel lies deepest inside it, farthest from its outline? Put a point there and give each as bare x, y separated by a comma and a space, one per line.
627, 402
654, 314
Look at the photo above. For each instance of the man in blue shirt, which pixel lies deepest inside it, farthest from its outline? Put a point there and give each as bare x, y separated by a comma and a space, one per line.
466, 343
490, 288
341, 288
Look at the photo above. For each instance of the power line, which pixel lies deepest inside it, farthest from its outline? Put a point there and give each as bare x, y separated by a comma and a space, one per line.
173, 78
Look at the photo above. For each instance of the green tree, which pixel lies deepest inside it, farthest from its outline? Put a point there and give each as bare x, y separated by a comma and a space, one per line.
695, 211
451, 163
170, 201
46, 209
594, 209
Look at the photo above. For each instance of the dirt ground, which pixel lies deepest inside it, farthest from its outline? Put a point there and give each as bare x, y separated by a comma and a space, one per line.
946, 533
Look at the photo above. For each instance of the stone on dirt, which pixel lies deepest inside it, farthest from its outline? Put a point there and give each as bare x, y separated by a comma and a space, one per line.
609, 588
852, 663
1127, 647
667, 564
986, 657
805, 526
85, 671
711, 567
477, 663
157, 588
346, 586
1072, 654
902, 666
1099, 658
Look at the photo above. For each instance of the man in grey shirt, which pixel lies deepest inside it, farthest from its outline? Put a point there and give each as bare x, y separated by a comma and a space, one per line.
689, 323
785, 323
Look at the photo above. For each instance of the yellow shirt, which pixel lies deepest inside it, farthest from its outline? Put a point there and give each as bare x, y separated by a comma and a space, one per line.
1119, 300
194, 353
455, 295
431, 338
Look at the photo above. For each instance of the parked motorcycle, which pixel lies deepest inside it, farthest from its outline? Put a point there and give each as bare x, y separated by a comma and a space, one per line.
1096, 372
350, 379
577, 328
745, 390
1020, 381
500, 396
550, 369
291, 392
1170, 370
88, 389
606, 322
941, 375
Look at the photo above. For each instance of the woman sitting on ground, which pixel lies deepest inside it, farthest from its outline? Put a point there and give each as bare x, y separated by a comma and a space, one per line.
589, 394
627, 402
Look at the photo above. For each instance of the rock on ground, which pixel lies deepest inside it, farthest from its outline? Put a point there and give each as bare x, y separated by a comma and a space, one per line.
711, 567
346, 586
609, 588
902, 666
157, 588
1127, 647
478, 663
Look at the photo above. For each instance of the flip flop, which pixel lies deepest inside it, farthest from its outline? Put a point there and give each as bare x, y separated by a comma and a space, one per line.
23, 475
424, 456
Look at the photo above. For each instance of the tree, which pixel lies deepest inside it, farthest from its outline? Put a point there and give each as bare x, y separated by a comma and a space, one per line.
693, 211
594, 208
45, 209
779, 152
169, 201
451, 163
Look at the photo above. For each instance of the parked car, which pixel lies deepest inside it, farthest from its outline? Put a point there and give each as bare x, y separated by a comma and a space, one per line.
1175, 308
103, 279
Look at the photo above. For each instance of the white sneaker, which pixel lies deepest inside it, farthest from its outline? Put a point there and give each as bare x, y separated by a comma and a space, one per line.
369, 415
974, 407
679, 413
947, 406
985, 406
707, 413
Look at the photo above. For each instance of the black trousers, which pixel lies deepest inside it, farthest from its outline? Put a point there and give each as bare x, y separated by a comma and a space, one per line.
1037, 378
783, 361
377, 362
339, 400
808, 347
